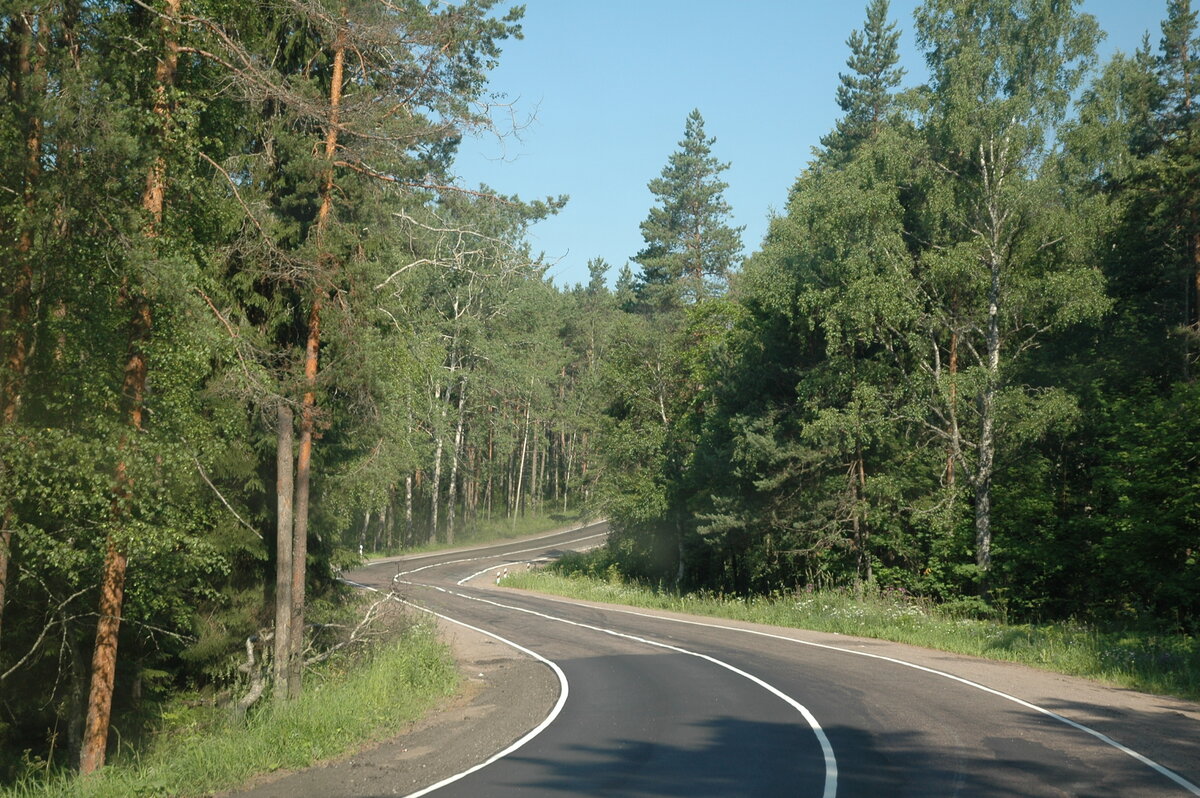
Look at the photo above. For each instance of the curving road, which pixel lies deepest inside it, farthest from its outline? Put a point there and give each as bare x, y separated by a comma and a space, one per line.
661, 704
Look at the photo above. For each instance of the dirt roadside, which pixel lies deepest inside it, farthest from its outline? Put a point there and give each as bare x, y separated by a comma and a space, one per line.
504, 694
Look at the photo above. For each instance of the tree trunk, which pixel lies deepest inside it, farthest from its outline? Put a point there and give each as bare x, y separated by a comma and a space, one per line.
491, 469
112, 587
284, 486
955, 445
570, 447
408, 509
311, 352
435, 497
987, 403
534, 451
452, 492
862, 533
300, 512
521, 466
19, 310
1192, 341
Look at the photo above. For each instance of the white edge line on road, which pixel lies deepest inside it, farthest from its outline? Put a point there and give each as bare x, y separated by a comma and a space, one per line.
1104, 738
491, 557
831, 772
482, 546
534, 732
466, 579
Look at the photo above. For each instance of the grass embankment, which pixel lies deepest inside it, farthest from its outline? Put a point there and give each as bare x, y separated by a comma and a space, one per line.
491, 532
198, 751
1155, 663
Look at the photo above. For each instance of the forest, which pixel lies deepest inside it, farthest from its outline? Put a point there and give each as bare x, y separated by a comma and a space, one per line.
253, 328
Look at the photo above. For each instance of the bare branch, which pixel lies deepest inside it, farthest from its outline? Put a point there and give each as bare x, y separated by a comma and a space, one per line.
224, 501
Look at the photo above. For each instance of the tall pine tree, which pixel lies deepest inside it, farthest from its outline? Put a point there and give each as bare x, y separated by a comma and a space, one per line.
867, 95
690, 246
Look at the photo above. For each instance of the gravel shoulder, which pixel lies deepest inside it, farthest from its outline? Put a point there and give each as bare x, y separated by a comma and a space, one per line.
504, 694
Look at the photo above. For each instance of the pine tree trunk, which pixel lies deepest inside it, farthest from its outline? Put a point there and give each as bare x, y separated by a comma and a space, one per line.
300, 509
284, 486
1193, 321
16, 322
311, 366
112, 587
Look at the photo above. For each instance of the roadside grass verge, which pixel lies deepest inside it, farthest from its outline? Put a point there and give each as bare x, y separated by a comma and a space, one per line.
345, 704
497, 529
1162, 664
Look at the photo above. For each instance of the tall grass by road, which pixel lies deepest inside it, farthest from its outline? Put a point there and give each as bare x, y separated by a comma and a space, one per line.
200, 750
1164, 664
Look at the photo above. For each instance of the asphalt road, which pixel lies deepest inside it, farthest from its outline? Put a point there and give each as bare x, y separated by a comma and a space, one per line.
661, 704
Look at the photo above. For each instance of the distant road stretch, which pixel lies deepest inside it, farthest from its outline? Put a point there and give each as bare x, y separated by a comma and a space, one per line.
662, 704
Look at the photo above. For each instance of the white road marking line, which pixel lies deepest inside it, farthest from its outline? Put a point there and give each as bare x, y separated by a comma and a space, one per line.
534, 732
490, 557
1150, 763
564, 690
480, 547
826, 748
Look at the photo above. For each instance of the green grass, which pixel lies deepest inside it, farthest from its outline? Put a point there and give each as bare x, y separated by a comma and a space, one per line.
490, 532
343, 705
1153, 663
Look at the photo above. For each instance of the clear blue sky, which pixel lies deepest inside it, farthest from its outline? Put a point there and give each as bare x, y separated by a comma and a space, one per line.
600, 90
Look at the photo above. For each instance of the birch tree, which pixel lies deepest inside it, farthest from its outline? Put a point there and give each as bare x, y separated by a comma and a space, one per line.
1006, 267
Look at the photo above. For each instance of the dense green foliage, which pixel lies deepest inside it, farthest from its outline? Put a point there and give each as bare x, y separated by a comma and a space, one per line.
202, 750
216, 216
962, 362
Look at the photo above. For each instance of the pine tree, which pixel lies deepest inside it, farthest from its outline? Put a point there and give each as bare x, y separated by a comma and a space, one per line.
1179, 75
866, 95
690, 248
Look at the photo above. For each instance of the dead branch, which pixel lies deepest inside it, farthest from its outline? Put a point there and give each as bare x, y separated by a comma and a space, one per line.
356, 635
224, 501
50, 624
256, 674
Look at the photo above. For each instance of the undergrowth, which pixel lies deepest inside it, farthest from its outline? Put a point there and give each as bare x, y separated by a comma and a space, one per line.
346, 702
1166, 664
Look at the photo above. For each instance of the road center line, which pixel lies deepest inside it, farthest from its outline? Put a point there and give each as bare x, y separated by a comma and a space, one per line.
482, 546
1104, 738
466, 579
830, 789
490, 557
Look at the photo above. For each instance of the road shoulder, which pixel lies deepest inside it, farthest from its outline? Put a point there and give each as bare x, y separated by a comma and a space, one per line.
503, 695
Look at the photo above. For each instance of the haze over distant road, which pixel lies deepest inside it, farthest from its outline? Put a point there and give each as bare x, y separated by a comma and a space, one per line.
661, 704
